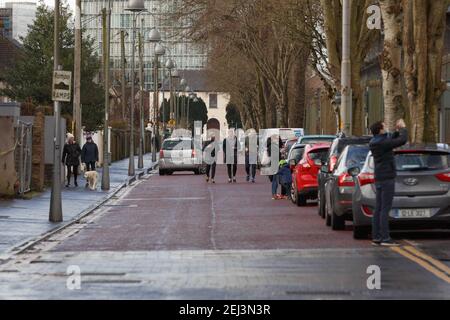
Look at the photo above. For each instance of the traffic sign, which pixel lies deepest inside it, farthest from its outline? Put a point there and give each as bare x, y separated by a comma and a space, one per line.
62, 86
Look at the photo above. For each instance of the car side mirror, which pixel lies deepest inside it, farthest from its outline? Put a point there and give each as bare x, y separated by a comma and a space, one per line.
324, 169
354, 172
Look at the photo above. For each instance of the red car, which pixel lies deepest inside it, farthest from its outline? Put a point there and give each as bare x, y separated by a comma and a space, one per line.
304, 173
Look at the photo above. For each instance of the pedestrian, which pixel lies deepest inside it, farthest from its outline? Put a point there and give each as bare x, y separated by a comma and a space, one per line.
230, 150
251, 156
71, 158
210, 157
382, 146
89, 154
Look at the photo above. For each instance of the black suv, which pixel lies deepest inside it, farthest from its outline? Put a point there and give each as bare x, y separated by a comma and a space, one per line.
334, 153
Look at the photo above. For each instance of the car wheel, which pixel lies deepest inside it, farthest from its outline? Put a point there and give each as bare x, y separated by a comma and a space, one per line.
169, 173
327, 215
320, 204
337, 222
197, 172
360, 232
294, 193
301, 200
162, 172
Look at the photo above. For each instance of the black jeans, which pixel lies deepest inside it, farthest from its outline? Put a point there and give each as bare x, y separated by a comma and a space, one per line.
380, 221
231, 168
250, 169
90, 166
72, 170
211, 170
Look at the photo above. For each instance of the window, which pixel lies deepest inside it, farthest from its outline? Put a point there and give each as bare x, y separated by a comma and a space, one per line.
213, 101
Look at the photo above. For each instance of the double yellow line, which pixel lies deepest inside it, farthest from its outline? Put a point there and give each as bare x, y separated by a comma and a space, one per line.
432, 265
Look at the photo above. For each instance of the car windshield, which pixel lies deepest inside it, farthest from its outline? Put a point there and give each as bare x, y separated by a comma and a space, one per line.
356, 157
421, 161
320, 154
297, 154
177, 145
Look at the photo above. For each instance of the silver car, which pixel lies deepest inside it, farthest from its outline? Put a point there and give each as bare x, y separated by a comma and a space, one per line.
178, 154
422, 190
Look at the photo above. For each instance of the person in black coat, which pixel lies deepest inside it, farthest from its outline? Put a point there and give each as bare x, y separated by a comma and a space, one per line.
382, 146
89, 154
71, 158
230, 148
210, 155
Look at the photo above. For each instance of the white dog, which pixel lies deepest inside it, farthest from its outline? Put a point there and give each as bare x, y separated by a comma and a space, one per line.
91, 178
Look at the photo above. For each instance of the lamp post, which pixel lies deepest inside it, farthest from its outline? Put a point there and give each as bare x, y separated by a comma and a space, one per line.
346, 105
170, 65
135, 7
176, 75
183, 84
155, 37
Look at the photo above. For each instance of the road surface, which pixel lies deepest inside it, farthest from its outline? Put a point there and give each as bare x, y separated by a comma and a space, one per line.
177, 237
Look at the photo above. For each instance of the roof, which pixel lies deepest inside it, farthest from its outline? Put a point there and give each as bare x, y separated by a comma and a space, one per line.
9, 48
197, 81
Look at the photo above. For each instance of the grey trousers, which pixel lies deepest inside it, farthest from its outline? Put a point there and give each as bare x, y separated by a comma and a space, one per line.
380, 221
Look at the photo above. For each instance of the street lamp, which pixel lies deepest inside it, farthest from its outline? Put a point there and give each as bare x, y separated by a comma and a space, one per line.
135, 7
188, 90
170, 65
176, 75
155, 37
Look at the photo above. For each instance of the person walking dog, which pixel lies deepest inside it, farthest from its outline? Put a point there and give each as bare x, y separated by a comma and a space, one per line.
71, 158
89, 154
382, 146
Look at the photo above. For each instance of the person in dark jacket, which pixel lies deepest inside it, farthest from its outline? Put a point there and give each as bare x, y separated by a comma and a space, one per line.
285, 179
382, 146
230, 148
71, 158
89, 154
211, 159
251, 156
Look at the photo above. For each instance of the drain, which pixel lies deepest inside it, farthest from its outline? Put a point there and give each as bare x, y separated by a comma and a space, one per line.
324, 293
106, 281
46, 261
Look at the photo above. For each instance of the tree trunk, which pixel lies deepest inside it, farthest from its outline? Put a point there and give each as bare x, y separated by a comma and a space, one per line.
357, 102
297, 105
390, 61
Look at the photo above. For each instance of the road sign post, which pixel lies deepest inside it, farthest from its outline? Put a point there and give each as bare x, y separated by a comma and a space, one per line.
62, 86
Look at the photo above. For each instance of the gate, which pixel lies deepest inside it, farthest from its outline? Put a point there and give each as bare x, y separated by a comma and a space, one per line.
24, 138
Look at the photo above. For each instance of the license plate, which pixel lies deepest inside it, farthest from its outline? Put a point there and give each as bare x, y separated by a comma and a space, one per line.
412, 213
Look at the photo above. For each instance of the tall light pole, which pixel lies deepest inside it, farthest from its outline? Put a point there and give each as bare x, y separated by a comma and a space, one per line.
106, 15
77, 73
159, 51
141, 98
346, 105
55, 213
170, 66
176, 75
183, 84
135, 7
155, 37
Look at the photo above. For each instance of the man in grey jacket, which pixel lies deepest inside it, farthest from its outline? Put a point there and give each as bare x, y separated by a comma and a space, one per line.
382, 146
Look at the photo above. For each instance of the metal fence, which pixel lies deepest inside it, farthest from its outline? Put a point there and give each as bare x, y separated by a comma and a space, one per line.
23, 155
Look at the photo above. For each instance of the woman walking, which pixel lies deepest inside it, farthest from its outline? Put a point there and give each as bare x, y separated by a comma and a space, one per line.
71, 158
210, 157
230, 150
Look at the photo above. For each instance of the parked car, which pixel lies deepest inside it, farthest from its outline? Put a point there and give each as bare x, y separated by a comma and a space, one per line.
340, 185
335, 151
178, 154
422, 190
304, 175
287, 147
313, 139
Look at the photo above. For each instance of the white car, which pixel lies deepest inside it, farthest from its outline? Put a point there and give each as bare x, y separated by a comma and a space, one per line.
178, 154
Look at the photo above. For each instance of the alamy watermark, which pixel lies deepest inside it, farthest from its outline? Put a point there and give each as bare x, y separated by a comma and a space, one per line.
73, 281
374, 20
374, 280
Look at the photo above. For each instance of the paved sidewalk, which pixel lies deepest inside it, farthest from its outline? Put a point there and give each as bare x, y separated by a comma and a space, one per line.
25, 220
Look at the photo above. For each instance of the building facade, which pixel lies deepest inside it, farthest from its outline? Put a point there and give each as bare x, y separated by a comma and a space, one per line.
186, 55
22, 15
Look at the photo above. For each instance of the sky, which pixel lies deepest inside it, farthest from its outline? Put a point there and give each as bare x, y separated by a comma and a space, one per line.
47, 2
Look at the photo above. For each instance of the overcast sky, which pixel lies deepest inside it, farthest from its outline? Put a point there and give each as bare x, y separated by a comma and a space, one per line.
47, 2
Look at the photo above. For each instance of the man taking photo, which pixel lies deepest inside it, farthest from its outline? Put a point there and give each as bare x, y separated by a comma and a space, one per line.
382, 146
